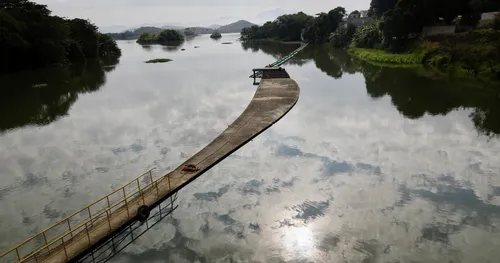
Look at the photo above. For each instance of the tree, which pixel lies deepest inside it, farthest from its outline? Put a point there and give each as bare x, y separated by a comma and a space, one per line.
285, 28
168, 36
379, 7
86, 35
31, 38
324, 25
342, 37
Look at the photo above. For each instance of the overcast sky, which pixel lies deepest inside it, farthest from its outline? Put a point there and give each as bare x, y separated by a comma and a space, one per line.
110, 14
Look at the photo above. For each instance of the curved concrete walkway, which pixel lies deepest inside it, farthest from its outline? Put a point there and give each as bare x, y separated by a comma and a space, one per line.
273, 99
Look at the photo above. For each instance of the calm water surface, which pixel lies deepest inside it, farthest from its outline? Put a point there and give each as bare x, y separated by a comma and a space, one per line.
372, 165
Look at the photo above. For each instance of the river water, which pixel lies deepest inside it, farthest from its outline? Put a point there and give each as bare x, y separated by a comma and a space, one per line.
372, 165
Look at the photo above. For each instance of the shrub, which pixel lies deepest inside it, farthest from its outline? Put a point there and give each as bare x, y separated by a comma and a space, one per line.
368, 36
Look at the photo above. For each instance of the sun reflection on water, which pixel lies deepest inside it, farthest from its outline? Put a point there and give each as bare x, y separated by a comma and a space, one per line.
299, 241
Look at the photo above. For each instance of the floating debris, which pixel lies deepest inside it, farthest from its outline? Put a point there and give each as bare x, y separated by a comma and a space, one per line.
227, 43
159, 60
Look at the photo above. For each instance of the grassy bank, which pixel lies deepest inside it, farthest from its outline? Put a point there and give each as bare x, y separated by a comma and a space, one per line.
382, 57
480, 59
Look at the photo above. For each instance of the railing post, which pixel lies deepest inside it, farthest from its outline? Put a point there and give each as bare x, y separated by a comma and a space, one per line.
17, 252
156, 183
140, 192
109, 222
45, 239
126, 203
69, 226
90, 215
107, 198
88, 235
64, 246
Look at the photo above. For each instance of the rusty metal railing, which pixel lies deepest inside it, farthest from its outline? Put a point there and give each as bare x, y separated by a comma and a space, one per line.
60, 233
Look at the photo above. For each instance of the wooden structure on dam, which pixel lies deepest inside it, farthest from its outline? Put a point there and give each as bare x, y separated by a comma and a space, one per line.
84, 235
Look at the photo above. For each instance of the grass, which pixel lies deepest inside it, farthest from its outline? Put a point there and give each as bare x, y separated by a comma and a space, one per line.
159, 60
380, 56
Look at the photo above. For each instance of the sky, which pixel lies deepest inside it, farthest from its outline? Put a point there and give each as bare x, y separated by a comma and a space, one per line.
124, 14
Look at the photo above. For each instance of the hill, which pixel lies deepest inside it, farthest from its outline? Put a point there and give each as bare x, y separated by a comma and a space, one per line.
235, 27
130, 34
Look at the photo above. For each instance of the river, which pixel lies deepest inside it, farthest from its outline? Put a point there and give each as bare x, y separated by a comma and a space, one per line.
372, 165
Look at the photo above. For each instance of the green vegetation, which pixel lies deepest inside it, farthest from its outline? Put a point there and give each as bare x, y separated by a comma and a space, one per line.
158, 60
284, 28
31, 38
324, 25
368, 36
342, 37
394, 38
216, 35
383, 57
167, 36
297, 27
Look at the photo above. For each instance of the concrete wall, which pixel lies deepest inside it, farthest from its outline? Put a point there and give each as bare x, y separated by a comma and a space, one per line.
438, 30
487, 18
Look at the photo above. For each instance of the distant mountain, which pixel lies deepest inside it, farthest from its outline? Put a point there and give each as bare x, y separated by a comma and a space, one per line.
235, 27
215, 26
135, 34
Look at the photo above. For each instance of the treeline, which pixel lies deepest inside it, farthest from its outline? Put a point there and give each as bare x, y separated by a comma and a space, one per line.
31, 38
297, 27
165, 37
401, 20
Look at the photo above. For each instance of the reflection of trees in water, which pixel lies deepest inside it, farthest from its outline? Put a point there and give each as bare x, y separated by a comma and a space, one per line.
332, 62
172, 48
147, 48
414, 92
25, 102
278, 50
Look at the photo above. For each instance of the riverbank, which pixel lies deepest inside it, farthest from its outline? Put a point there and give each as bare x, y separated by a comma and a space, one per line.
476, 54
382, 57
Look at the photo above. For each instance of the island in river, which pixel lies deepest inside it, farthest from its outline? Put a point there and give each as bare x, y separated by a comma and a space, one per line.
167, 36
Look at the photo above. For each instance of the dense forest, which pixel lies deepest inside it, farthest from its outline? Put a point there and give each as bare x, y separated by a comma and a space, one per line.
31, 38
165, 37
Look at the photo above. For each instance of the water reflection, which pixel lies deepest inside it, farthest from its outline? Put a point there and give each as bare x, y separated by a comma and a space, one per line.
415, 92
43, 96
345, 177
172, 48
147, 48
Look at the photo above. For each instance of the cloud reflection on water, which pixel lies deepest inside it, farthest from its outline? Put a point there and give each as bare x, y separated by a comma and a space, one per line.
343, 177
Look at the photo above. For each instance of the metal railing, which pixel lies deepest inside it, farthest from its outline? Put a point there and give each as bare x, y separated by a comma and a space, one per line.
59, 234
